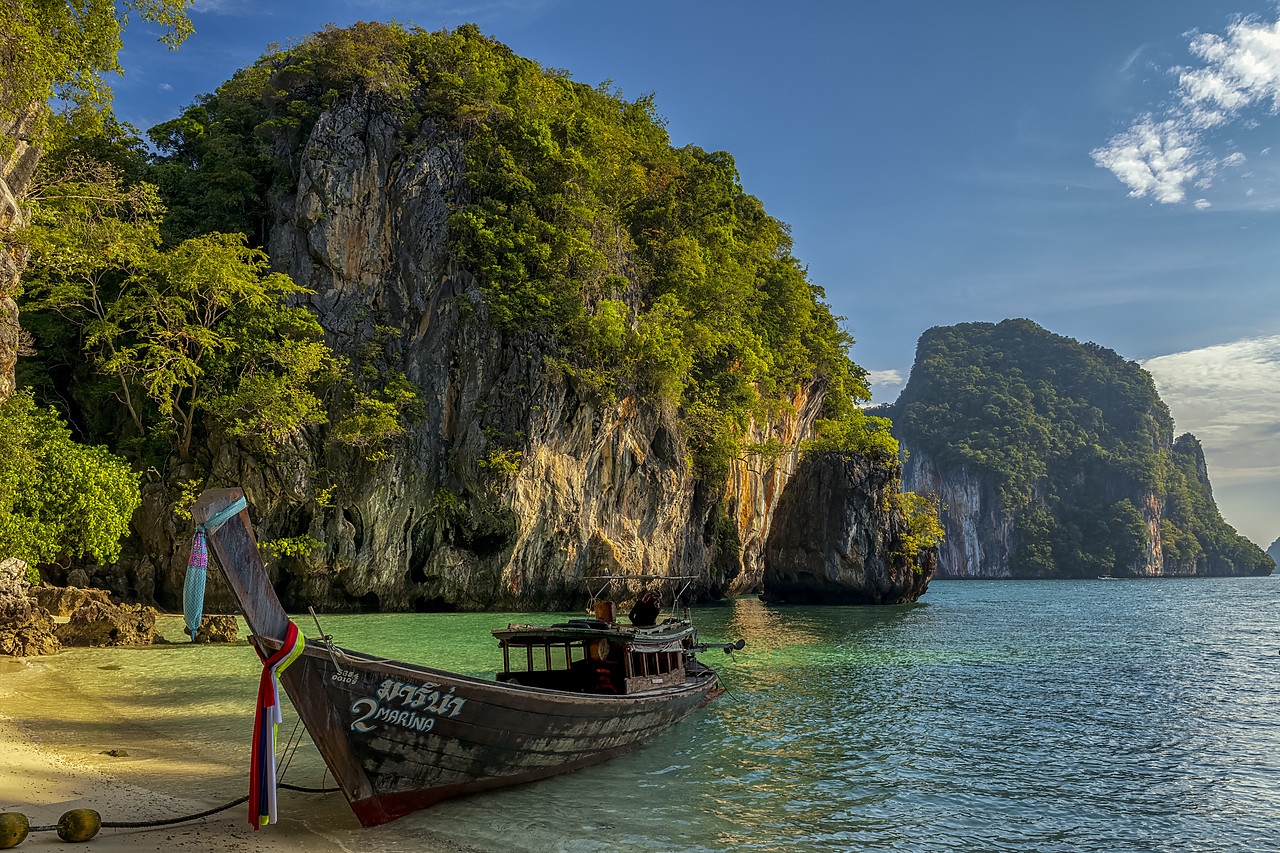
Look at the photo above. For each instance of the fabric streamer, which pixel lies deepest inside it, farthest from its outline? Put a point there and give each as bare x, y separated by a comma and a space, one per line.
193, 586
267, 719
198, 568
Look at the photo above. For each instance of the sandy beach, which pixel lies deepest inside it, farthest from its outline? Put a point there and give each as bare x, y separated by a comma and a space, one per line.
44, 779
87, 745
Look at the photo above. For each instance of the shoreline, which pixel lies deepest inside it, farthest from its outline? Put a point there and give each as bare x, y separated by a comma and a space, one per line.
75, 745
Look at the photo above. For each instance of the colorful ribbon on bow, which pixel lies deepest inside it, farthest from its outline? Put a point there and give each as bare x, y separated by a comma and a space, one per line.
262, 779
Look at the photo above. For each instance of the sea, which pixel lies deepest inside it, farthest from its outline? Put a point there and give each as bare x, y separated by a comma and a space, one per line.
1080, 715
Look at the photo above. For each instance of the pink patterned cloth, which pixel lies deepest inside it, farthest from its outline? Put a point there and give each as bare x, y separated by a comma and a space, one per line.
193, 586
199, 552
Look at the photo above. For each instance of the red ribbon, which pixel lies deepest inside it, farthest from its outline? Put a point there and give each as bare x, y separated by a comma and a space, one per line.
262, 777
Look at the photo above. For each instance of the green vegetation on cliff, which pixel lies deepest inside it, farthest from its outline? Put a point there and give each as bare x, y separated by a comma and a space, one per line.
197, 331
639, 269
1078, 446
59, 499
649, 266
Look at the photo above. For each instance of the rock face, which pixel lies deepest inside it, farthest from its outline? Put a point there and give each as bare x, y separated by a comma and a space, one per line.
26, 629
979, 533
836, 541
9, 334
105, 624
595, 485
1274, 551
217, 629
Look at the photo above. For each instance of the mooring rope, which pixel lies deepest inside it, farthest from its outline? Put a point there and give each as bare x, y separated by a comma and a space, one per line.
144, 824
291, 748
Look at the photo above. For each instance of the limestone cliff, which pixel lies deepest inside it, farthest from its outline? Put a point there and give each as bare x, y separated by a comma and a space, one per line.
979, 534
1056, 459
564, 345
597, 485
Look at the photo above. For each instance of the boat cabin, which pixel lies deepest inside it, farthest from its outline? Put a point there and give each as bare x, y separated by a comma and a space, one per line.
591, 656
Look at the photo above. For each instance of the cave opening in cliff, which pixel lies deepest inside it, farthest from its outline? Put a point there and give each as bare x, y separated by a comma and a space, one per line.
433, 604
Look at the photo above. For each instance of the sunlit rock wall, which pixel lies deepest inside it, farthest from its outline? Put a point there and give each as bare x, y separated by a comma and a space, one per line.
597, 486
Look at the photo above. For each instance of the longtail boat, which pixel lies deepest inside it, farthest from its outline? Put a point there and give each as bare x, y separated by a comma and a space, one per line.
400, 737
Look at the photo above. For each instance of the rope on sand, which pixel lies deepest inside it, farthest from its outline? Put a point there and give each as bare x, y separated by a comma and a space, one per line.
83, 824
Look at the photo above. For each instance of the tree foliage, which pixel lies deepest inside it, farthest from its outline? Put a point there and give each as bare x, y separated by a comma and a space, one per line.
64, 48
88, 233
58, 499
207, 327
924, 525
855, 432
202, 326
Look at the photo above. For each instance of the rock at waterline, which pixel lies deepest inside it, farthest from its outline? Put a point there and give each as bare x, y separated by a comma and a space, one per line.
835, 539
65, 600
217, 629
106, 624
26, 628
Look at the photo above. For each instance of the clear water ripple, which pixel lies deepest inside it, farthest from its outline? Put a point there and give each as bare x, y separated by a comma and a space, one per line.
1071, 716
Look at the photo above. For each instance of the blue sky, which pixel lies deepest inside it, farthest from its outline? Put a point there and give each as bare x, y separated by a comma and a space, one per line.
1105, 169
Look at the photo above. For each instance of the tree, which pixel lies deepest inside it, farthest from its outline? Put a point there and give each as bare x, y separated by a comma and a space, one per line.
206, 326
203, 325
854, 432
62, 48
88, 233
58, 499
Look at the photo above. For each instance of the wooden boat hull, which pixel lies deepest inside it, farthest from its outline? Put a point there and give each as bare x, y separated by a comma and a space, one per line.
422, 735
399, 737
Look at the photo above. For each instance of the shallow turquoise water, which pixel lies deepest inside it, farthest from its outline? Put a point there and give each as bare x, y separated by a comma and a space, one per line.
1056, 716
1065, 716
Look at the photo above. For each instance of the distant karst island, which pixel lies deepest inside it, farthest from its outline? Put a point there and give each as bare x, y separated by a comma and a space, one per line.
1053, 459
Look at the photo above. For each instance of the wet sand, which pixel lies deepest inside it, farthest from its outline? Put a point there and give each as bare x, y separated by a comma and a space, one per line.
57, 738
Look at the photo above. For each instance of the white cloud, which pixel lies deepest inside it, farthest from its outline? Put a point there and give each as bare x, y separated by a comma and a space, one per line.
1202, 203
214, 7
1160, 155
1241, 69
1228, 395
884, 377
1152, 158
165, 87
